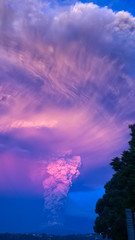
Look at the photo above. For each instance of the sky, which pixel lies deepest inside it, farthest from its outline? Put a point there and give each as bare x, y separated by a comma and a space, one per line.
67, 92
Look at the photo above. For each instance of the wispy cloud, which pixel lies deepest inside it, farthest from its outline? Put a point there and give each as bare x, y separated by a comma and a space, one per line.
67, 81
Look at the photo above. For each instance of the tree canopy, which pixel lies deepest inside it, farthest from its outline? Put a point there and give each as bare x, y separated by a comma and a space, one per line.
119, 195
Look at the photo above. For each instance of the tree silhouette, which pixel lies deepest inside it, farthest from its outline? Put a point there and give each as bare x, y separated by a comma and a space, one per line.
119, 195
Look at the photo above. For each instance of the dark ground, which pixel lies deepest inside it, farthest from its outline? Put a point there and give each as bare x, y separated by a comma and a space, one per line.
8, 236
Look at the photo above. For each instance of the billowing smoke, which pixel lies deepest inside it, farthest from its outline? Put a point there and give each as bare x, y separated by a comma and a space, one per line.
60, 172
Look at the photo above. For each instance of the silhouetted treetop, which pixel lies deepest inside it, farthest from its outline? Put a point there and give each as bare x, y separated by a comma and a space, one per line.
119, 195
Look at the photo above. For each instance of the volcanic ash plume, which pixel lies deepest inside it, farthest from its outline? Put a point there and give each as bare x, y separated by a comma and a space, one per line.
61, 173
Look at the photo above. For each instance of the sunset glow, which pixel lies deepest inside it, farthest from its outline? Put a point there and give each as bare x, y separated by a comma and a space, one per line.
67, 93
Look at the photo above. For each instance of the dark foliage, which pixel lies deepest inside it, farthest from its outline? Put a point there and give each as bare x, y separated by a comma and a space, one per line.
119, 195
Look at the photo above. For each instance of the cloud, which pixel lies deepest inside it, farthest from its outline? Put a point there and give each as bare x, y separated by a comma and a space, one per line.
56, 186
67, 81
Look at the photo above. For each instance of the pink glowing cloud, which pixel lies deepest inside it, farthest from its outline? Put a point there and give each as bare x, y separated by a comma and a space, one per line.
56, 186
67, 81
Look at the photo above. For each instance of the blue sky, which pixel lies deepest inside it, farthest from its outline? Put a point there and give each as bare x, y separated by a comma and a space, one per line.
116, 5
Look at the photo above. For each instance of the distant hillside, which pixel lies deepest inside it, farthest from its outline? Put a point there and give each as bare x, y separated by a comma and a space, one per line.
8, 236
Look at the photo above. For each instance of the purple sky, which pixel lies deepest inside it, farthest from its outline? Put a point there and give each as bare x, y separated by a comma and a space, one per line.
67, 92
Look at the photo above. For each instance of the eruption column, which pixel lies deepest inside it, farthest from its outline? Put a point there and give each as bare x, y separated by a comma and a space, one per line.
56, 186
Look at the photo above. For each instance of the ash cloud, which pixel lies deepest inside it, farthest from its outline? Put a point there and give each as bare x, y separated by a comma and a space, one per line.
61, 173
67, 81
